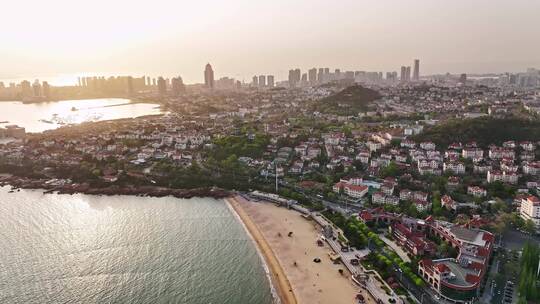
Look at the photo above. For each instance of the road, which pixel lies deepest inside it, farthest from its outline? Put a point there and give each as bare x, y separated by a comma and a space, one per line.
343, 208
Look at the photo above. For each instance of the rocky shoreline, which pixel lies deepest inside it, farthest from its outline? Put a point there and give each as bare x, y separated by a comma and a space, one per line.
84, 188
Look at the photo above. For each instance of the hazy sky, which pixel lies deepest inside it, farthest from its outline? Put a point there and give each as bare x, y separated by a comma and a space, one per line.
241, 38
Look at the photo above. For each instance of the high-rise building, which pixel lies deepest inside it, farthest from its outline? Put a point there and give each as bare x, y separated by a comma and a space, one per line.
262, 81
270, 81
320, 76
46, 90
337, 74
209, 76
463, 78
36, 88
255, 81
312, 75
162, 86
416, 73
294, 77
327, 71
304, 78
405, 74
178, 86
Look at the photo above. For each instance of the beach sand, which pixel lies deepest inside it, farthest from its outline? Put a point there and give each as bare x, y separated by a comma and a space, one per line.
310, 282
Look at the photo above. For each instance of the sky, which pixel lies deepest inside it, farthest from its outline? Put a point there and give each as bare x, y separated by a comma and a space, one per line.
242, 38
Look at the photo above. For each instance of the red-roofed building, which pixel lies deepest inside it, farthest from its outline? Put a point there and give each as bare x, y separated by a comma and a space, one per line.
351, 189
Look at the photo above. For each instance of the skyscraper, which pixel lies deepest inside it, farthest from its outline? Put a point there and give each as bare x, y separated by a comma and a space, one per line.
262, 81
304, 78
178, 86
312, 75
405, 73
209, 76
162, 86
320, 76
46, 90
255, 81
294, 77
270, 81
416, 73
337, 74
36, 88
26, 88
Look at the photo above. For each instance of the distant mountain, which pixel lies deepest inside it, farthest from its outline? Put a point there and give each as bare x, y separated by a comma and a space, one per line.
483, 130
349, 101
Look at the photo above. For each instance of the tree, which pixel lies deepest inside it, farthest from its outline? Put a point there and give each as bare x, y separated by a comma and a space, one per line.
529, 226
391, 170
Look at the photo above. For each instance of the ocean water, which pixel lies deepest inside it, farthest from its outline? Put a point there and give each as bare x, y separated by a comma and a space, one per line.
122, 249
41, 116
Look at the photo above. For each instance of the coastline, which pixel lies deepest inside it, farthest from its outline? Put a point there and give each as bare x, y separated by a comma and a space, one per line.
278, 279
292, 240
151, 191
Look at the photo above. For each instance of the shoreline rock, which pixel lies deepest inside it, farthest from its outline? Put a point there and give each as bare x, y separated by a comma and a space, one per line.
85, 188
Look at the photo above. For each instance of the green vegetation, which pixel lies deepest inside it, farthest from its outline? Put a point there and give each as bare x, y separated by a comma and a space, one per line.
239, 146
483, 130
349, 101
528, 278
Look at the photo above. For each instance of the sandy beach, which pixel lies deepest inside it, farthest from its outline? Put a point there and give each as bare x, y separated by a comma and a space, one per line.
310, 282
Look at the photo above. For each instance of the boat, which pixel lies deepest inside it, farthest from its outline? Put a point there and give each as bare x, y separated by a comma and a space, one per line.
46, 121
73, 109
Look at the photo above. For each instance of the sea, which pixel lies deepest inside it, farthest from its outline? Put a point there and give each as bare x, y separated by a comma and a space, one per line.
57, 248
42, 116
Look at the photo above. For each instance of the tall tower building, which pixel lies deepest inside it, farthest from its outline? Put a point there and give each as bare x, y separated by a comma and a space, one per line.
405, 74
46, 90
270, 81
402, 76
178, 86
312, 75
337, 74
416, 73
294, 77
255, 81
162, 86
209, 76
320, 76
304, 79
36, 88
262, 81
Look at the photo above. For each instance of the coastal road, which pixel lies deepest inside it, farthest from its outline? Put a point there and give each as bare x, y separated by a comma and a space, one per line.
343, 208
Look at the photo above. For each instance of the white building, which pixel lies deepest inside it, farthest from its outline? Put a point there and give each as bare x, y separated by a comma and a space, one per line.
530, 210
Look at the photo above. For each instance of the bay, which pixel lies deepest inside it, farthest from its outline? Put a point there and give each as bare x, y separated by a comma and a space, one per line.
122, 249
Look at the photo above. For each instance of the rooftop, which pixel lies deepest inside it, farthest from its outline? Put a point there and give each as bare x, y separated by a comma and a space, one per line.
460, 274
472, 236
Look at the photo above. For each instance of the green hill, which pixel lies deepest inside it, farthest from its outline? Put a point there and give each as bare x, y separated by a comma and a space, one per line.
483, 130
349, 101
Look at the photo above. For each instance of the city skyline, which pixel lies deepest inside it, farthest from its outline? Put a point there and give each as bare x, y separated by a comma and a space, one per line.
353, 35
